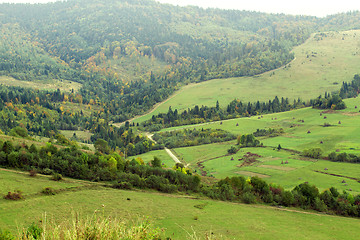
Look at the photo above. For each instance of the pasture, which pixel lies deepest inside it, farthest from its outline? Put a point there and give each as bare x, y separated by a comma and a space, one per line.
321, 64
180, 216
303, 129
161, 154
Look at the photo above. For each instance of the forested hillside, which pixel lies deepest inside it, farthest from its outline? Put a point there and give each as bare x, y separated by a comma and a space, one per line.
129, 55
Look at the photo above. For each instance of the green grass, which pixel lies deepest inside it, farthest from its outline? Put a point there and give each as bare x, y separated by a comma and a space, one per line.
269, 167
83, 135
161, 154
176, 214
53, 85
319, 66
344, 137
11, 181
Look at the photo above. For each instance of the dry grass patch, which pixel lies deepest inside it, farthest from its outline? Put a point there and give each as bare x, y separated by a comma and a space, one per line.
278, 167
252, 174
53, 85
351, 114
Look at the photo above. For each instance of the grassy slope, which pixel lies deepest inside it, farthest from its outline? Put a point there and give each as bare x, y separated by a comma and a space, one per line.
161, 154
319, 63
344, 137
53, 85
173, 212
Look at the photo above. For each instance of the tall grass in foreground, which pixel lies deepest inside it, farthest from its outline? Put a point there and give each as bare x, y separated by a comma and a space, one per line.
94, 228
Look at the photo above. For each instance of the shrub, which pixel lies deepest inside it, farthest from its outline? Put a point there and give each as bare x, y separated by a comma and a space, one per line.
56, 177
287, 198
34, 232
268, 198
123, 185
313, 153
232, 150
248, 198
156, 162
259, 185
18, 132
32, 173
6, 235
47, 171
92, 228
17, 195
319, 205
48, 191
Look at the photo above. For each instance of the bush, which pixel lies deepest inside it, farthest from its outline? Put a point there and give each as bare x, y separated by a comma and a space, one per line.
259, 185
56, 177
123, 185
313, 153
32, 173
47, 171
6, 235
287, 198
232, 150
268, 198
48, 191
17, 195
319, 205
156, 162
92, 228
34, 232
248, 198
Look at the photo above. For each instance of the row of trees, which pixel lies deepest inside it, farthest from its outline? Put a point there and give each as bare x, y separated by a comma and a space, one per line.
127, 174
304, 195
344, 157
192, 137
74, 163
333, 101
203, 114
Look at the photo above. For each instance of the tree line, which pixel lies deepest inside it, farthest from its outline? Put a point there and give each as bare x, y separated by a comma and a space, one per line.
128, 174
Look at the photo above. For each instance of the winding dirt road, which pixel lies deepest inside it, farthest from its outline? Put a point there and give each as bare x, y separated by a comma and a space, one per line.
168, 151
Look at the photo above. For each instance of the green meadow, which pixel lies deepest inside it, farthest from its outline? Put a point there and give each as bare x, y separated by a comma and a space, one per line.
321, 64
303, 129
161, 154
181, 217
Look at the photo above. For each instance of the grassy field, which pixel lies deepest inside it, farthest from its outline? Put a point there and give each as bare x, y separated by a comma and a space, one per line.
321, 64
343, 137
296, 124
83, 135
63, 85
176, 214
161, 154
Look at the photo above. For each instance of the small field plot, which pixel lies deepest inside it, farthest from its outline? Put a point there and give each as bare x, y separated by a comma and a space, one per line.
77, 107
251, 161
282, 167
193, 155
53, 85
12, 181
81, 135
161, 154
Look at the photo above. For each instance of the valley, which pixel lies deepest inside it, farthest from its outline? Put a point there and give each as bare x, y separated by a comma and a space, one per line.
179, 122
